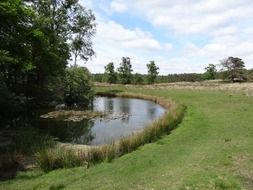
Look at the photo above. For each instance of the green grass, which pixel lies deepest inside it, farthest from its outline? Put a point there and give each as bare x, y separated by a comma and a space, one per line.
211, 149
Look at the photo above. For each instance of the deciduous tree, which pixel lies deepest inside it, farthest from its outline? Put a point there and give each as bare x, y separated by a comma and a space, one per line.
210, 73
152, 72
233, 68
110, 74
125, 71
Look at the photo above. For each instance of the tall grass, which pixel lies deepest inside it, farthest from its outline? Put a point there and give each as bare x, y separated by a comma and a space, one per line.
53, 158
49, 159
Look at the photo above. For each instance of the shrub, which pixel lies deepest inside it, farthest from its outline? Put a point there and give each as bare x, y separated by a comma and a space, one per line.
78, 87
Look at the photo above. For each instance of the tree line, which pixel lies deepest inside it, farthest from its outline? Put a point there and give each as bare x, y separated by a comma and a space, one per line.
232, 69
124, 74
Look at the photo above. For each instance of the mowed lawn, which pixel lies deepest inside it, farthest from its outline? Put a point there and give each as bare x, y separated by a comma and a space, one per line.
211, 149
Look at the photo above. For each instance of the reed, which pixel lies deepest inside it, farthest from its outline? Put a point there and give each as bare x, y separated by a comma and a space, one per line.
54, 158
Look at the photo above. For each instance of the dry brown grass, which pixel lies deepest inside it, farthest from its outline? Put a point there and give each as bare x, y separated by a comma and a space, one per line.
246, 88
216, 85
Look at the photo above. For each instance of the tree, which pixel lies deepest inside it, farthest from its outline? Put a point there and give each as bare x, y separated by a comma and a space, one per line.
110, 74
210, 73
84, 30
152, 72
78, 87
250, 75
15, 46
36, 42
65, 27
125, 71
233, 69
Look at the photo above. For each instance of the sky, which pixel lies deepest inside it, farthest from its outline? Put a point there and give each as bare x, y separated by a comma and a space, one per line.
181, 36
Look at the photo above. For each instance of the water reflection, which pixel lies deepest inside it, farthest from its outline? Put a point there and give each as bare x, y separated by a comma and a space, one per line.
130, 115
136, 114
151, 110
108, 105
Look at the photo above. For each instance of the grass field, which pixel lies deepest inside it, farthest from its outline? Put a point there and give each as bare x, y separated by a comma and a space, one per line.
211, 149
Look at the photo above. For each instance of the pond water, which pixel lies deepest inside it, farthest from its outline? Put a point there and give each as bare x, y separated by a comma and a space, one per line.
126, 116
134, 115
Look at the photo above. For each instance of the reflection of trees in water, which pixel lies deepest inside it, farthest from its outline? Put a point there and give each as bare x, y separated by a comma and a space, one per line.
77, 132
152, 112
85, 134
124, 108
70, 131
109, 104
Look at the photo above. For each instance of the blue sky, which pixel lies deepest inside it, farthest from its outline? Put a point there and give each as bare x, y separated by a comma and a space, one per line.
181, 36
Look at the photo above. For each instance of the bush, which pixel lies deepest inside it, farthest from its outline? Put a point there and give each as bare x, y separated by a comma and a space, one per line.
78, 87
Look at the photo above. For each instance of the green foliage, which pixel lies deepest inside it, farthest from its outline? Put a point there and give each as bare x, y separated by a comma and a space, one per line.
98, 77
233, 68
210, 73
249, 75
138, 78
125, 71
189, 77
84, 29
7, 99
78, 87
152, 72
37, 39
110, 75
142, 78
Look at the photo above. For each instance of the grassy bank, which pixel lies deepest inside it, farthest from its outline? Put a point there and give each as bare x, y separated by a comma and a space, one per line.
211, 149
60, 157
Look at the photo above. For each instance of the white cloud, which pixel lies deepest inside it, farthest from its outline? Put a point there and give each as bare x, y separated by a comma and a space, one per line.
193, 16
168, 46
113, 41
227, 30
120, 36
226, 25
117, 6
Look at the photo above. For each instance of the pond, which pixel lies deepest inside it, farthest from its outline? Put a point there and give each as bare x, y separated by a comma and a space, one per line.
126, 116
136, 114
